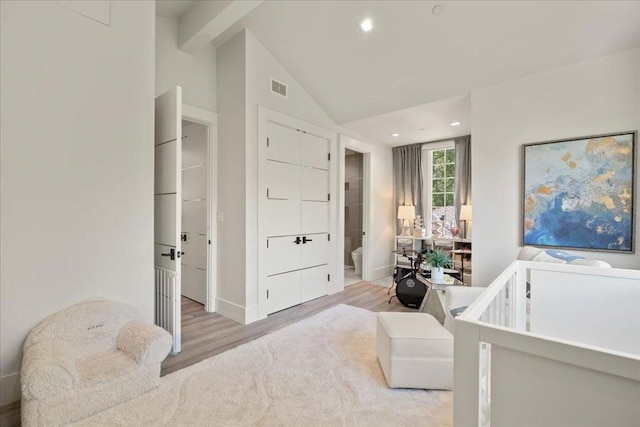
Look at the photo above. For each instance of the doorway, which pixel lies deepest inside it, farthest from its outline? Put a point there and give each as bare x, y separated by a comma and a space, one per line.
199, 206
353, 216
179, 220
195, 198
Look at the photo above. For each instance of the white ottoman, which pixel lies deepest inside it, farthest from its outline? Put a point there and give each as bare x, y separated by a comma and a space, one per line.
415, 351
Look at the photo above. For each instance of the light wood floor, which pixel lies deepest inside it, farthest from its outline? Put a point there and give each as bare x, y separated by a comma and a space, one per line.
207, 334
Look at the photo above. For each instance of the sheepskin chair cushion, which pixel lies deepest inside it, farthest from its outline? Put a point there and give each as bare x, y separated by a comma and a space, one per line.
87, 358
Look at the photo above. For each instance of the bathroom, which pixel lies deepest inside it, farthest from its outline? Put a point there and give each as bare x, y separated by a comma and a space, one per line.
353, 214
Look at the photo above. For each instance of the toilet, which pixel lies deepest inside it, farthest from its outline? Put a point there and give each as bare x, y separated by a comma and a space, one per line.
356, 256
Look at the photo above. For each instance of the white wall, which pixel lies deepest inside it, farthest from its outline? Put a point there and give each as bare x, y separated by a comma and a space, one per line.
77, 165
195, 73
259, 67
231, 178
595, 97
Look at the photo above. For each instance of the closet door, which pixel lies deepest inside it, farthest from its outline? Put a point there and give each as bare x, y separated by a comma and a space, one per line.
283, 144
314, 250
283, 199
283, 291
314, 151
283, 217
294, 261
314, 217
283, 181
282, 254
314, 185
314, 283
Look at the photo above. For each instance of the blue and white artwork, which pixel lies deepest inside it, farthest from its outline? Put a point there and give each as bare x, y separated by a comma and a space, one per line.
579, 193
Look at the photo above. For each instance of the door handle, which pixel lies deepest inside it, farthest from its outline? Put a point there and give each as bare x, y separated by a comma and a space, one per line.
171, 254
297, 241
305, 240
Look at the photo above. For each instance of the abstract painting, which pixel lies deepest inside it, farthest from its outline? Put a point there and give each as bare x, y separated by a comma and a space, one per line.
579, 193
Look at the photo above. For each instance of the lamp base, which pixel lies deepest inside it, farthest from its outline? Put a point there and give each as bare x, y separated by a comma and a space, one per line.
406, 231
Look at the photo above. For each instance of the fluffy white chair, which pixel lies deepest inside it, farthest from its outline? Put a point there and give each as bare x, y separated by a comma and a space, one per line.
87, 358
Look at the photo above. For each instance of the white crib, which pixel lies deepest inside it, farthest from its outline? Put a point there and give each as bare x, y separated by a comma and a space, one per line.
567, 356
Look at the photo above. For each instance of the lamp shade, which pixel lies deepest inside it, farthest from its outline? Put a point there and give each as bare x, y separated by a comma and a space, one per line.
406, 212
465, 213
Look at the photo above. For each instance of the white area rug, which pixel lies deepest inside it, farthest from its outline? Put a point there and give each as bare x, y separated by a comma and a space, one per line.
385, 282
321, 371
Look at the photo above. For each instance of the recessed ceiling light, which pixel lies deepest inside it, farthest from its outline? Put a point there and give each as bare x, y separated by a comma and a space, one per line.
422, 128
366, 25
395, 134
455, 123
437, 9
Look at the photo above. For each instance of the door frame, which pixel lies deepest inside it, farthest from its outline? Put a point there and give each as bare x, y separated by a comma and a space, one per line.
355, 145
209, 119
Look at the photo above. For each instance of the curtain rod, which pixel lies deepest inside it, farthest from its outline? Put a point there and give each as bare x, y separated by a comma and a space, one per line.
432, 142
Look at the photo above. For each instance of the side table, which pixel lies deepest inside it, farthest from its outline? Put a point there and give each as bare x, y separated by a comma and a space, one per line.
448, 281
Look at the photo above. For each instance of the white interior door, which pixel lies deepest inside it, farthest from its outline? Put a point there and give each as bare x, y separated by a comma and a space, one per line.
283, 144
314, 184
294, 211
284, 291
283, 181
314, 282
283, 217
168, 182
314, 217
314, 151
282, 254
314, 250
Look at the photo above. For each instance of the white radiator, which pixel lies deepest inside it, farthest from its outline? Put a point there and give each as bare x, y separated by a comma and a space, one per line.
168, 305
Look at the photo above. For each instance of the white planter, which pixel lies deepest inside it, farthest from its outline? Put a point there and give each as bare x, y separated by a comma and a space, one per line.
437, 274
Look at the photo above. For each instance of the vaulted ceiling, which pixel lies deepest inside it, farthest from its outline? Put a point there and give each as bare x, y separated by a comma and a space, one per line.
414, 56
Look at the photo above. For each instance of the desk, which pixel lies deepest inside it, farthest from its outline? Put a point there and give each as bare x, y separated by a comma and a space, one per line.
448, 281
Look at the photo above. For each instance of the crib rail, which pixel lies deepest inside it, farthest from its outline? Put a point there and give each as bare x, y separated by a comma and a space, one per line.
511, 350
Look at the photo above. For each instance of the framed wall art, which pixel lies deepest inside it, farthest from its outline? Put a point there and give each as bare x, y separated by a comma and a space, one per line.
579, 193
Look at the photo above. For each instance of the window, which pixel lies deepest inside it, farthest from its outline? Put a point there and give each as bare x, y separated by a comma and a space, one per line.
439, 169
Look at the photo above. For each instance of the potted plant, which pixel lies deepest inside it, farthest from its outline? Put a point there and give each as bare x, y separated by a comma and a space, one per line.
438, 260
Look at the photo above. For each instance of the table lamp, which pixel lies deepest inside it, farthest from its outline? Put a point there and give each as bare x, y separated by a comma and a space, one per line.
406, 213
465, 215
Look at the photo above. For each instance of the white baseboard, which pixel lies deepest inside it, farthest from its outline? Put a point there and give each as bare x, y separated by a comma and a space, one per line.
381, 272
251, 314
231, 310
10, 389
335, 286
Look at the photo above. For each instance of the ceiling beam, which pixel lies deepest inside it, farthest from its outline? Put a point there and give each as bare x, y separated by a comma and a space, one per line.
206, 20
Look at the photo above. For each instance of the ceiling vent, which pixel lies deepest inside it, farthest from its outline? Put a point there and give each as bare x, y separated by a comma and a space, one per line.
279, 88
